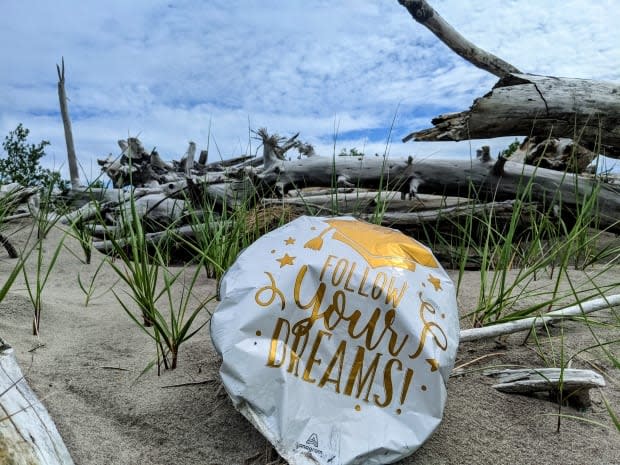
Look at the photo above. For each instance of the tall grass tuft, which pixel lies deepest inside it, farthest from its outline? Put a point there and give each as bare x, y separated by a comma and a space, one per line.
166, 317
45, 220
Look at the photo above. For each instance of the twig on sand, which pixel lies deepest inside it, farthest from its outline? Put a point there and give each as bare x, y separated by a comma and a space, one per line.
105, 367
459, 369
38, 346
192, 383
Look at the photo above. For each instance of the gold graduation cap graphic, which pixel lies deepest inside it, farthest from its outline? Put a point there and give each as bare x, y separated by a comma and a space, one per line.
379, 246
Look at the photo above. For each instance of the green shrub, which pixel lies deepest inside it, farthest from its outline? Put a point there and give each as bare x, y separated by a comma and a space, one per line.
20, 162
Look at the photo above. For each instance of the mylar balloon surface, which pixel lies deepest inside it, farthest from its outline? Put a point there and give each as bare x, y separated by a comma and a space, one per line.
337, 338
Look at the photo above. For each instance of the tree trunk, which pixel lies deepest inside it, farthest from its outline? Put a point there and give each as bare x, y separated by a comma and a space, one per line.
490, 180
74, 173
524, 104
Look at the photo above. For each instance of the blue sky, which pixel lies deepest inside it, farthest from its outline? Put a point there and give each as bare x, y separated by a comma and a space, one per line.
174, 71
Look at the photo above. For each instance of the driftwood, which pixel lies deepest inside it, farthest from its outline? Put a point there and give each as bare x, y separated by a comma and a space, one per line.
424, 14
183, 234
27, 433
526, 324
491, 180
554, 153
74, 174
524, 104
569, 385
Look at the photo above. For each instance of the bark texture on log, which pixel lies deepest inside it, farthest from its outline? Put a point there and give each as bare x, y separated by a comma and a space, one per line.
563, 384
524, 104
560, 154
27, 433
491, 180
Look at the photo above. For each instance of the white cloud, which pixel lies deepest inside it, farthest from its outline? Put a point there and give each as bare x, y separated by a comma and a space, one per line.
169, 69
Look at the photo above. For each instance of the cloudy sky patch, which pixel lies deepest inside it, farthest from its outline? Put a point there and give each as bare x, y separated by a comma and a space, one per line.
174, 71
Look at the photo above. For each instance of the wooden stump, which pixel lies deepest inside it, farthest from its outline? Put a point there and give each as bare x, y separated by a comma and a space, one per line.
28, 435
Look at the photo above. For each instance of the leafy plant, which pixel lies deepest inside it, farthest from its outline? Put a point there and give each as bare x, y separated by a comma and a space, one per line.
21, 163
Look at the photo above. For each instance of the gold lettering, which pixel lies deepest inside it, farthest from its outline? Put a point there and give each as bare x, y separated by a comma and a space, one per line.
429, 326
377, 288
275, 340
387, 382
312, 360
296, 352
357, 374
338, 358
336, 279
406, 383
363, 283
351, 271
304, 325
327, 262
389, 318
390, 296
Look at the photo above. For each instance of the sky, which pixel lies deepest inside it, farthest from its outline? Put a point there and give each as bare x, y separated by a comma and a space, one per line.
344, 73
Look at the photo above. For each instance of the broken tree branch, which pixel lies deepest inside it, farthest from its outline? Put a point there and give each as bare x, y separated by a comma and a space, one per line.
74, 174
528, 105
525, 324
424, 14
492, 180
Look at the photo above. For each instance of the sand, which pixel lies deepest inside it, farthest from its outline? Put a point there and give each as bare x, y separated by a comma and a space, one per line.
86, 366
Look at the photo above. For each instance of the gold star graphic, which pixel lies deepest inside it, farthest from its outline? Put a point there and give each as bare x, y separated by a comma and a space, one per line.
286, 260
433, 363
436, 282
290, 241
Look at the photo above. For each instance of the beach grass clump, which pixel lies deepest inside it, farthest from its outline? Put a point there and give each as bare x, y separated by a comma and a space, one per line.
513, 254
37, 279
166, 314
222, 229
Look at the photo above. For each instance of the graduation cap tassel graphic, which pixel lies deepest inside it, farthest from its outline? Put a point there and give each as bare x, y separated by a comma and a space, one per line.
379, 246
317, 242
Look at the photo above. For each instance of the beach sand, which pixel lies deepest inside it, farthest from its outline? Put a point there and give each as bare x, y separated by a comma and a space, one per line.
86, 365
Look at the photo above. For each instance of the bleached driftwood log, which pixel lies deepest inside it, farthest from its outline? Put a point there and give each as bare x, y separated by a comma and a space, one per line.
74, 173
526, 324
523, 104
28, 435
492, 180
183, 234
574, 385
424, 14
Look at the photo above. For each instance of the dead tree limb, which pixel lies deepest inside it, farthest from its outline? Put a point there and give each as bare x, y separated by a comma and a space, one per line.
525, 324
524, 104
74, 174
491, 180
424, 14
